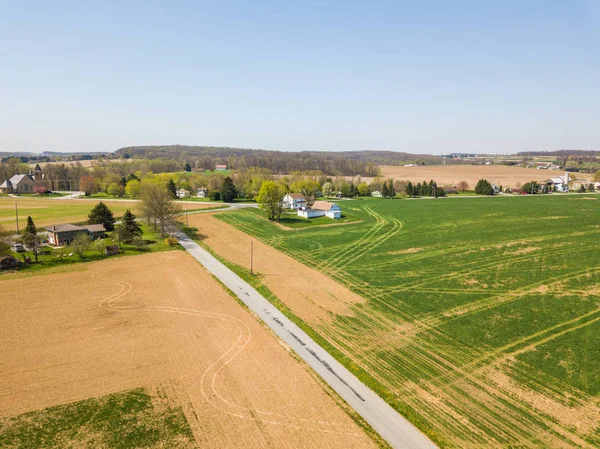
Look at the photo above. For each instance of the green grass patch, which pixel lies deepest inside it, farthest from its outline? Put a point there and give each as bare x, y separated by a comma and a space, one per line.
127, 420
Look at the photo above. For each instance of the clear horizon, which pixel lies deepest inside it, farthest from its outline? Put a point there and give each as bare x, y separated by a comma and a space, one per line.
433, 78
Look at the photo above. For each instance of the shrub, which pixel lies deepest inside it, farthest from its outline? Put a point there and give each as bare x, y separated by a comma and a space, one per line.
171, 241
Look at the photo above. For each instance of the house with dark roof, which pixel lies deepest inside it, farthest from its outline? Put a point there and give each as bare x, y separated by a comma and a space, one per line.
63, 234
33, 182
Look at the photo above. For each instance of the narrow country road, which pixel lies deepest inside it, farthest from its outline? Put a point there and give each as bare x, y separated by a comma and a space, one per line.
394, 428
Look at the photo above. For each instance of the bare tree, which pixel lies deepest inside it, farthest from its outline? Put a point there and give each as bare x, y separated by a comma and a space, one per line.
462, 186
157, 206
80, 243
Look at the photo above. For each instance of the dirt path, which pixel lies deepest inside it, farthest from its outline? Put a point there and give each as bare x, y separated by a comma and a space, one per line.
162, 319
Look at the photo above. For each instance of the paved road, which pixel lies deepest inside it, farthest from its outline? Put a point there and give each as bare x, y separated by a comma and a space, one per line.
384, 419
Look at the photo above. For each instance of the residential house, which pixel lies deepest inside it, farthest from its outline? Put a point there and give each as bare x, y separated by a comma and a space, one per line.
63, 234
322, 209
376, 194
294, 201
182, 193
202, 192
33, 182
221, 167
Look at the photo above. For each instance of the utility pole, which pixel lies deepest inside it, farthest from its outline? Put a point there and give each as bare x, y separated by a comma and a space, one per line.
251, 255
17, 216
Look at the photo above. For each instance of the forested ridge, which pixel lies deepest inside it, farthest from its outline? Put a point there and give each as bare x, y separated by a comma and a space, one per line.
344, 162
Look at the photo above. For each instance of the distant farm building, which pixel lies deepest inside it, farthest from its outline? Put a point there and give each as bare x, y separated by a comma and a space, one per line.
294, 201
201, 192
376, 194
63, 234
221, 167
182, 193
321, 209
559, 183
31, 183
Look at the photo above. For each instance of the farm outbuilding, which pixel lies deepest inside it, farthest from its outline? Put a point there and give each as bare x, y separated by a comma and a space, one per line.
321, 209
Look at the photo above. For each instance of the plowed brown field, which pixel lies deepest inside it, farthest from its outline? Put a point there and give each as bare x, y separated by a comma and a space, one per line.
309, 293
162, 319
452, 174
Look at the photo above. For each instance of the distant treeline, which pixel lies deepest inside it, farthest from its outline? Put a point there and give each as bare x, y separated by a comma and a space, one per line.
563, 153
348, 163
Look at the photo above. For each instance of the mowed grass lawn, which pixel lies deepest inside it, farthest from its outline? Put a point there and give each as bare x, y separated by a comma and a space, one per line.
482, 316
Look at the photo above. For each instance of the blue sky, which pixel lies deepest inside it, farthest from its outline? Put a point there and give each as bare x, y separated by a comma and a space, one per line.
425, 77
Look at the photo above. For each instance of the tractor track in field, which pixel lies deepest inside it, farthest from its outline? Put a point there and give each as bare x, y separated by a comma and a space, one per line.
428, 353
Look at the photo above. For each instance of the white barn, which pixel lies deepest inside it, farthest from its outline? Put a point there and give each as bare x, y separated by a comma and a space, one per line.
559, 183
322, 209
294, 201
201, 192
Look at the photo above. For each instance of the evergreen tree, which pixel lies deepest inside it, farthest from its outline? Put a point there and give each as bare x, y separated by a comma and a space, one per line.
101, 214
30, 238
384, 192
228, 190
123, 181
187, 167
172, 188
410, 189
131, 228
418, 189
392, 190
483, 187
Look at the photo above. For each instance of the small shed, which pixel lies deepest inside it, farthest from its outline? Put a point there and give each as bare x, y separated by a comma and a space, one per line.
111, 250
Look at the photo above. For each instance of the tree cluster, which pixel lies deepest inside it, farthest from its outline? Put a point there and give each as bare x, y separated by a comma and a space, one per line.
424, 189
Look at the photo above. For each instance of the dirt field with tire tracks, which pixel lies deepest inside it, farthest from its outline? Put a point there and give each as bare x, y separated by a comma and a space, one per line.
309, 293
161, 319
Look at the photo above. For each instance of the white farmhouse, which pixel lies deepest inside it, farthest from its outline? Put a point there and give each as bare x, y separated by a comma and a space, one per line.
322, 209
201, 192
294, 201
182, 193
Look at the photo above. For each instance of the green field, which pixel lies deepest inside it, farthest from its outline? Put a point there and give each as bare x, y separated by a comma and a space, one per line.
127, 420
482, 316
46, 212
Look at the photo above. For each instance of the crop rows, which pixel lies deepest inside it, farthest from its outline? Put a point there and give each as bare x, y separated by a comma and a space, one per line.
461, 296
